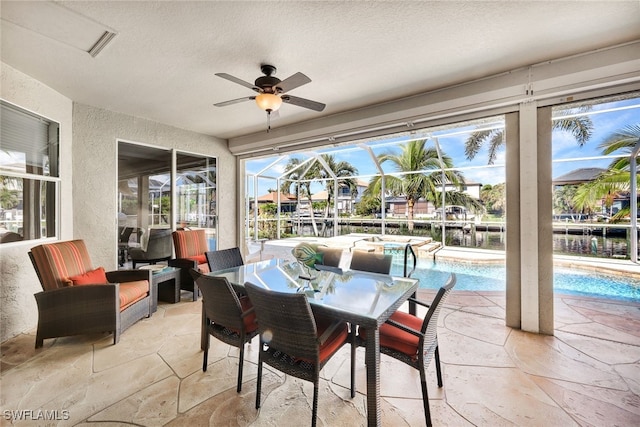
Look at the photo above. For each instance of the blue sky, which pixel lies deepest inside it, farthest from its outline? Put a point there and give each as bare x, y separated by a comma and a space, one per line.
606, 118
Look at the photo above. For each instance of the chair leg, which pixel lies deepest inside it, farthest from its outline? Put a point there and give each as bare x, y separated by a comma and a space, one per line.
259, 379
314, 413
438, 368
205, 345
241, 364
425, 395
353, 361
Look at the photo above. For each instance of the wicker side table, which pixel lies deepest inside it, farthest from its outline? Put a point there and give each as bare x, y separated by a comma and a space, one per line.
167, 284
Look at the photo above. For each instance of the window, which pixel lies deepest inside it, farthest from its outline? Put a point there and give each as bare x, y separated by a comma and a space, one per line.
29, 176
196, 194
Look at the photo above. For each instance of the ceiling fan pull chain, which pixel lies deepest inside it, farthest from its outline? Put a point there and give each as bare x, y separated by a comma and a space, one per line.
268, 121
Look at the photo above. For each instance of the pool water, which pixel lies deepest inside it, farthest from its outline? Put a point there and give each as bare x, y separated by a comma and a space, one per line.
474, 277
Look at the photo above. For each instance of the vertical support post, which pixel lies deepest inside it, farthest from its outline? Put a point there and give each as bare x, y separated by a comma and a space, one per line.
633, 203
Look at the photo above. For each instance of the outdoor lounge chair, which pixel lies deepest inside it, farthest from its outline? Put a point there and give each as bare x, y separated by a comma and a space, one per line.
78, 299
190, 247
226, 316
414, 341
158, 248
293, 340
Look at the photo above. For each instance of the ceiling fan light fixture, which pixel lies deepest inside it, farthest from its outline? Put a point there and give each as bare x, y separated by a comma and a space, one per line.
268, 101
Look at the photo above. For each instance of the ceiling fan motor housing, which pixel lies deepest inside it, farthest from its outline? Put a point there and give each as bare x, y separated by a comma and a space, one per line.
268, 81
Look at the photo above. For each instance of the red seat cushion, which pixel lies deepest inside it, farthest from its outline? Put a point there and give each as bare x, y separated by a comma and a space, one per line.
132, 292
93, 277
250, 324
200, 259
334, 341
395, 338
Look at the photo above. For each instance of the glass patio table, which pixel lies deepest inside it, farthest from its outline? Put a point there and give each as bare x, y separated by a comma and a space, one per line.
361, 298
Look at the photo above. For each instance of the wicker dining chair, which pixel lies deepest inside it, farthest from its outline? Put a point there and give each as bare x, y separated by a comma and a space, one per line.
371, 262
330, 256
224, 258
414, 341
226, 316
293, 340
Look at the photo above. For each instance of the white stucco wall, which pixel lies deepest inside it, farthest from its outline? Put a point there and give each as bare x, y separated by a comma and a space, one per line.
18, 280
88, 170
96, 133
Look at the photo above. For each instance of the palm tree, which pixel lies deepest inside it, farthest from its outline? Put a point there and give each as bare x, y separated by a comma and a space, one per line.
616, 179
340, 169
580, 127
317, 171
424, 177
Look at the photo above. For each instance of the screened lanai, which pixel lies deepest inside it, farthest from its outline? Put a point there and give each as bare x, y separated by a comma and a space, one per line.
490, 184
455, 186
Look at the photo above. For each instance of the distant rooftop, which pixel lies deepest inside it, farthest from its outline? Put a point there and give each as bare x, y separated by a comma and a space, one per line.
578, 176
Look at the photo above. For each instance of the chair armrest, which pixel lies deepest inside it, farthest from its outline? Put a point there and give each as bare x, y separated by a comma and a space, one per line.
248, 312
417, 301
183, 263
123, 276
327, 332
80, 302
403, 327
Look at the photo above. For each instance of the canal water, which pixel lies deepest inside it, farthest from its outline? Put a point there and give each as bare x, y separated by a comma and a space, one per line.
563, 244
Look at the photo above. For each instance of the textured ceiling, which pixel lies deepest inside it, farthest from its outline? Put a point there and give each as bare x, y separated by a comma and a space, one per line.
161, 64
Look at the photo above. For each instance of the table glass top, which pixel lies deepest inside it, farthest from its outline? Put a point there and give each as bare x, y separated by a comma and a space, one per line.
358, 293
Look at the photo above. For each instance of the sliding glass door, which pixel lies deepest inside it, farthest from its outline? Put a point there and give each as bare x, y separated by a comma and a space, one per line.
196, 205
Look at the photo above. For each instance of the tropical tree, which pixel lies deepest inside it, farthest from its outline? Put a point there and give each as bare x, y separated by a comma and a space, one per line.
494, 198
581, 127
301, 177
616, 180
421, 177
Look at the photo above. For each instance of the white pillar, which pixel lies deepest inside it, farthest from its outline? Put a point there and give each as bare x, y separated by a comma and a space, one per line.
528, 218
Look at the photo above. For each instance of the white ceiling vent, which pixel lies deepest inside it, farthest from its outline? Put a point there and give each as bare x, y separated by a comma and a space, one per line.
58, 23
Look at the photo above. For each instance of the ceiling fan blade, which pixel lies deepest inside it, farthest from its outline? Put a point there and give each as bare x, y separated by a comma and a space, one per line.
234, 101
305, 103
292, 82
238, 81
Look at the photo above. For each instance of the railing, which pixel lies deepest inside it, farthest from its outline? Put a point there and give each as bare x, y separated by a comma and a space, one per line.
408, 249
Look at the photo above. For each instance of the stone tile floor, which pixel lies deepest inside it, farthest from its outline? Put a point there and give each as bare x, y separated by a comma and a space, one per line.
587, 374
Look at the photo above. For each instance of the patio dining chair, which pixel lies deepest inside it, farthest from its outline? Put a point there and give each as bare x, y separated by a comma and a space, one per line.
224, 258
371, 262
293, 339
414, 341
226, 316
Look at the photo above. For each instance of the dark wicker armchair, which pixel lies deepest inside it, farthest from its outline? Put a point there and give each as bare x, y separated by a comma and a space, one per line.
190, 247
293, 340
414, 341
158, 248
371, 262
78, 299
229, 318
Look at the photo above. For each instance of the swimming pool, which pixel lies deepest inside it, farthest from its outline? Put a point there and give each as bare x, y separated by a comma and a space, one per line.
481, 277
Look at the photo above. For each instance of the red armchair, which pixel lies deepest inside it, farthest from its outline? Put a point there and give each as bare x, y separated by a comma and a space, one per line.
190, 247
77, 299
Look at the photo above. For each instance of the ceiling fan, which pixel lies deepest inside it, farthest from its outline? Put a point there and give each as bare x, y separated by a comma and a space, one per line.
272, 91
